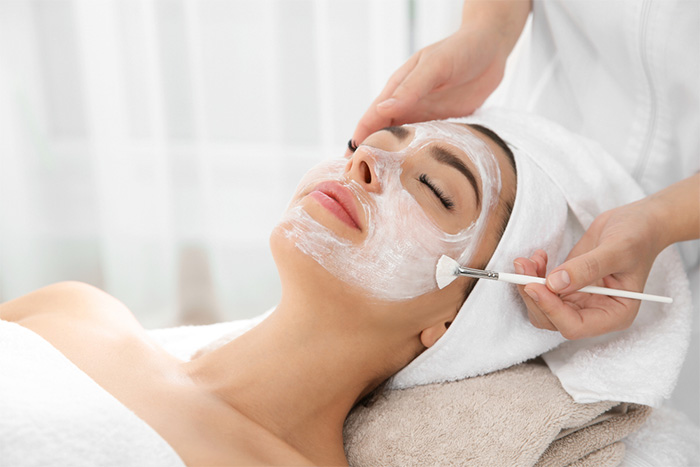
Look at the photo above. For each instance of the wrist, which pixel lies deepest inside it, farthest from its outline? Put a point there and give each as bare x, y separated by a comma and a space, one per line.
659, 222
502, 21
675, 211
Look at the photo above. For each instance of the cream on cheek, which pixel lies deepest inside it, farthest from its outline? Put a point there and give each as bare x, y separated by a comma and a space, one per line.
397, 258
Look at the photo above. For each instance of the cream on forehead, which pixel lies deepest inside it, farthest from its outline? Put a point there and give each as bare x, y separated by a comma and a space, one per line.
397, 258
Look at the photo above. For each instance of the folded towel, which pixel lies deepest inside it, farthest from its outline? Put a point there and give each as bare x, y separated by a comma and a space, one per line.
564, 182
517, 416
53, 414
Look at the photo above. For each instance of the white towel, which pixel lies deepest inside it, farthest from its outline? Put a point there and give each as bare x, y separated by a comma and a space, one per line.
53, 414
564, 182
186, 342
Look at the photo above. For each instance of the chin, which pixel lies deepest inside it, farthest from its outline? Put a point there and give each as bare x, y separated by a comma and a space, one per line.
294, 267
300, 273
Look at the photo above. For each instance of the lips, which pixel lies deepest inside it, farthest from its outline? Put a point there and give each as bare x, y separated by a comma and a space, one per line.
338, 200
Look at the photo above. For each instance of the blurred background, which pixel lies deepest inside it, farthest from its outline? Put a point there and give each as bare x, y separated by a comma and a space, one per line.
148, 147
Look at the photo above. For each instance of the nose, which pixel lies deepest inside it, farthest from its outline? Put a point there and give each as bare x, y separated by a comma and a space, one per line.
361, 168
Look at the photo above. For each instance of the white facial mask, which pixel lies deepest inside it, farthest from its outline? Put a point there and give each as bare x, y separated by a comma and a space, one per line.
397, 258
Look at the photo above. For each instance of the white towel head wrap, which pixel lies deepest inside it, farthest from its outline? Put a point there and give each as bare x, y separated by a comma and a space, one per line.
563, 182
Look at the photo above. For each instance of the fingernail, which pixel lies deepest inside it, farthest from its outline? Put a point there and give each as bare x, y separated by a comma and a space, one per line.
531, 293
559, 280
519, 269
387, 103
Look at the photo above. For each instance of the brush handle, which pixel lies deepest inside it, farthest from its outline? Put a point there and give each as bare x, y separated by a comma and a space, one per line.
524, 280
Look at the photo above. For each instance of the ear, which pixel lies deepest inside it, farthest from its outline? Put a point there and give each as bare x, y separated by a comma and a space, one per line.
430, 336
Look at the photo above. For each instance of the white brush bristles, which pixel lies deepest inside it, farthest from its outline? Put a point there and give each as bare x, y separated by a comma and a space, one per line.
446, 271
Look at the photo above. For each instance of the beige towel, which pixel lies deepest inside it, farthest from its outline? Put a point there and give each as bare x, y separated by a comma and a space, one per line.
520, 416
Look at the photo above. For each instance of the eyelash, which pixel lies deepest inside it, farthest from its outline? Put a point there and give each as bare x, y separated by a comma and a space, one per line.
423, 178
446, 201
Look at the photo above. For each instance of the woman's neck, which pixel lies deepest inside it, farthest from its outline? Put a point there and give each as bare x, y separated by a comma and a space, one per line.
300, 371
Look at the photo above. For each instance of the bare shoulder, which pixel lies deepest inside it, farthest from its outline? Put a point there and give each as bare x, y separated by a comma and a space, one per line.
101, 336
69, 300
92, 329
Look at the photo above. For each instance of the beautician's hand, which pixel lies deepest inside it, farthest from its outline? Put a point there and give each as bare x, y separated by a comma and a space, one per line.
453, 77
617, 251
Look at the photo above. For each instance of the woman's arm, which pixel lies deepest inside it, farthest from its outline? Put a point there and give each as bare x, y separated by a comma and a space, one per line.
453, 77
618, 250
71, 299
678, 210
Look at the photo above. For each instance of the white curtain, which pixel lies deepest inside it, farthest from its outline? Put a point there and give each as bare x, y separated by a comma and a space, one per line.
148, 147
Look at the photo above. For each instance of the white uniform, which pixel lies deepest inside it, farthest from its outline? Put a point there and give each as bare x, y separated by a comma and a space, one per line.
624, 73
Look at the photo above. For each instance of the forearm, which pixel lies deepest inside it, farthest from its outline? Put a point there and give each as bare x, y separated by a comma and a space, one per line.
505, 18
677, 209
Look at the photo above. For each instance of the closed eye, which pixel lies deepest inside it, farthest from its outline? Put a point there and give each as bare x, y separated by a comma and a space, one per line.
445, 200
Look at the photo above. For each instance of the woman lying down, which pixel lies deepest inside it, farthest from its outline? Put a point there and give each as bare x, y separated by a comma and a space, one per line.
356, 253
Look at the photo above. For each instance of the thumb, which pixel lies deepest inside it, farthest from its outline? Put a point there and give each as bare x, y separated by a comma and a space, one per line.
582, 270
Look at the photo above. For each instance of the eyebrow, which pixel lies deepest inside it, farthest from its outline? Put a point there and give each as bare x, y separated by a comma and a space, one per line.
400, 132
445, 156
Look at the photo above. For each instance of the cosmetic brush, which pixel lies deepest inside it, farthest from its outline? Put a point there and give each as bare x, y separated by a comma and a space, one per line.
448, 270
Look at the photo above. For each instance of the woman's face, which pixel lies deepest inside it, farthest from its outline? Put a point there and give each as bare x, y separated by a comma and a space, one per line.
381, 220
